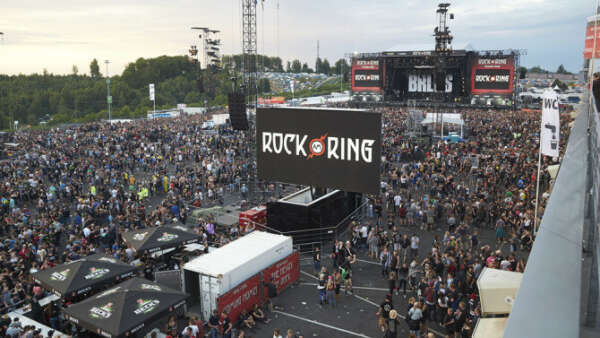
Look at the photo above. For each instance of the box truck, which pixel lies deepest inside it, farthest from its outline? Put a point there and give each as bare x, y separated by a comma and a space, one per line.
212, 275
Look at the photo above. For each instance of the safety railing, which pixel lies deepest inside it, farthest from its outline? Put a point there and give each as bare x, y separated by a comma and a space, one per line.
553, 300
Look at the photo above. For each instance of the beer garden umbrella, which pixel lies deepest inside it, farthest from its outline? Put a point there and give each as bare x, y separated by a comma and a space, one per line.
159, 238
83, 275
126, 308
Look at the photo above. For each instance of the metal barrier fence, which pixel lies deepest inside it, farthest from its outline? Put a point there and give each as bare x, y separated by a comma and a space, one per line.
563, 262
591, 317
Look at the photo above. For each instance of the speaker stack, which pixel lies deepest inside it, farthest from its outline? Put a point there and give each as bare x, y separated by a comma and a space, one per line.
237, 111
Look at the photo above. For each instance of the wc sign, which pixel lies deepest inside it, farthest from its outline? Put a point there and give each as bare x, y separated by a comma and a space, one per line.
550, 128
320, 147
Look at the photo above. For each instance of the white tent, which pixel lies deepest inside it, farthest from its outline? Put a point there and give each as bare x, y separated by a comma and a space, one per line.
498, 289
451, 118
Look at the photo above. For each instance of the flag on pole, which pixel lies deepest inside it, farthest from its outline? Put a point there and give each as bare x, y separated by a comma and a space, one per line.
151, 92
550, 133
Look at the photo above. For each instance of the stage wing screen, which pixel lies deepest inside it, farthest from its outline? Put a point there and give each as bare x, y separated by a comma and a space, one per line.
366, 75
493, 75
495, 79
320, 147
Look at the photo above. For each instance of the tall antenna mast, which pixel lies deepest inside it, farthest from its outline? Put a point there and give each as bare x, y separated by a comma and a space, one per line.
316, 65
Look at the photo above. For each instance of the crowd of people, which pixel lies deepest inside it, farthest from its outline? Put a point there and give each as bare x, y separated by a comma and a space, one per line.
439, 190
68, 192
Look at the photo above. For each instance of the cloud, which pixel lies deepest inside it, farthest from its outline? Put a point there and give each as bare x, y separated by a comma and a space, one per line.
123, 30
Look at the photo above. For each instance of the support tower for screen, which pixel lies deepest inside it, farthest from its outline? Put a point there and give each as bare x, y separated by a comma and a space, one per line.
249, 79
249, 43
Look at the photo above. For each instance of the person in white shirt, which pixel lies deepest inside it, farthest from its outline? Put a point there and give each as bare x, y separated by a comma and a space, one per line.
397, 202
414, 246
364, 233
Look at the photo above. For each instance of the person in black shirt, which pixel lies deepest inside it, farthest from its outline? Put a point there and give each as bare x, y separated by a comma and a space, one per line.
317, 260
148, 271
386, 307
227, 326
403, 278
596, 89
460, 317
36, 309
272, 292
213, 324
448, 323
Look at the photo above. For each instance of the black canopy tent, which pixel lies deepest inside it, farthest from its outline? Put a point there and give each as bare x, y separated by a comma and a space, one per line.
159, 238
83, 275
126, 308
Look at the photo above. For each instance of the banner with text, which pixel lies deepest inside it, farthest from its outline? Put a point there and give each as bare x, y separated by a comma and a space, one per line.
284, 273
243, 297
151, 89
550, 133
592, 48
325, 148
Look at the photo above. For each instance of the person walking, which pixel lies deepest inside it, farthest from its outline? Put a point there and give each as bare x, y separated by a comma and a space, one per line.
415, 316
414, 246
317, 260
392, 282
213, 324
385, 260
330, 291
413, 272
321, 286
392, 325
372, 244
402, 278
500, 233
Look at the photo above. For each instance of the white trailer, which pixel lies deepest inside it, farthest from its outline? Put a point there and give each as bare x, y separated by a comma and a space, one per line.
211, 275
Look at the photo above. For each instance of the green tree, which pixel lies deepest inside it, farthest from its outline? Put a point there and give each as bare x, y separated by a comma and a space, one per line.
306, 69
276, 64
537, 69
265, 85
325, 67
522, 72
342, 67
319, 65
296, 66
561, 70
94, 69
288, 67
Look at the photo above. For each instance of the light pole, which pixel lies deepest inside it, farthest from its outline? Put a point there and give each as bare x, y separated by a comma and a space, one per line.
342, 77
108, 97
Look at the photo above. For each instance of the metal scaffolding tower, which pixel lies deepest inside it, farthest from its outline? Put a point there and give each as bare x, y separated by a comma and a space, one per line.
443, 38
249, 50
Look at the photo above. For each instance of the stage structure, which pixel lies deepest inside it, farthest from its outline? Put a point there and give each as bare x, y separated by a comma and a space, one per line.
310, 218
336, 153
442, 75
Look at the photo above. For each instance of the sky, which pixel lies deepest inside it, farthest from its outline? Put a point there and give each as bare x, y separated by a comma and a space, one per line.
57, 34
